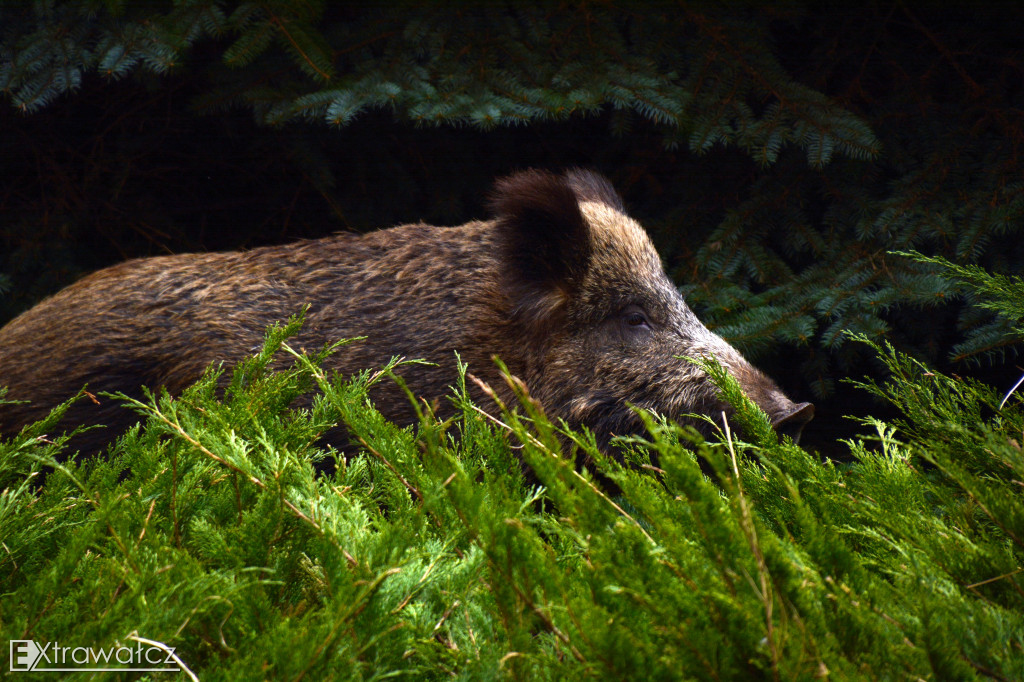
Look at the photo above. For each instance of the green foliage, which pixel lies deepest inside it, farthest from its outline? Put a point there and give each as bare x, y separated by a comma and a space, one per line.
426, 552
500, 65
1000, 294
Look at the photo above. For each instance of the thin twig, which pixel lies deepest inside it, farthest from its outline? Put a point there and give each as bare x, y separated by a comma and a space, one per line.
1010, 392
411, 488
169, 651
575, 473
762, 567
260, 484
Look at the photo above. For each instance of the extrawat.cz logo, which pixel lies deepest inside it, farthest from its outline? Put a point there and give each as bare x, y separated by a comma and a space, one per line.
27, 655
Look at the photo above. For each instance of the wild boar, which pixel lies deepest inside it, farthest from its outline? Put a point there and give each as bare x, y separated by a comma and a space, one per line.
561, 284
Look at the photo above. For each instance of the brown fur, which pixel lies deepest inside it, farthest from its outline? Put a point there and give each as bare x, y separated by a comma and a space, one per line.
561, 284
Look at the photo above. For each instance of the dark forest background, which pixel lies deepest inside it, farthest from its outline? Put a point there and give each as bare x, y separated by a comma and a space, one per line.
779, 155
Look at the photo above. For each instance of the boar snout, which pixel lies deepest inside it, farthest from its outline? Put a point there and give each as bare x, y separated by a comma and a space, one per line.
792, 422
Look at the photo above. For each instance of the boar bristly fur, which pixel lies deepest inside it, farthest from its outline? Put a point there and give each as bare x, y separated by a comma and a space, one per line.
561, 284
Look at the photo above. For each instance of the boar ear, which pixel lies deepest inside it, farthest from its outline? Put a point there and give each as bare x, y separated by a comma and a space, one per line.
591, 186
542, 235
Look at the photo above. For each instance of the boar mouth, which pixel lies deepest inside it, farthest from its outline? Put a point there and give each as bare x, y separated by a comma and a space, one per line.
792, 423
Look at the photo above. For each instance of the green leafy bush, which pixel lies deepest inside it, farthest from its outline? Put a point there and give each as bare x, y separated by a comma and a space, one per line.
224, 528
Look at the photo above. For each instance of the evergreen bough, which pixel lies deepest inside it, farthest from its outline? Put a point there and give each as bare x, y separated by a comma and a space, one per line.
426, 552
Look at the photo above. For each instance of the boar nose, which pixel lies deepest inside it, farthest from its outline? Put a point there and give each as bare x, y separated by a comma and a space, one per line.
792, 422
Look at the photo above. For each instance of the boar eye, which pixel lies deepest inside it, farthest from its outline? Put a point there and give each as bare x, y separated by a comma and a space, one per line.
636, 319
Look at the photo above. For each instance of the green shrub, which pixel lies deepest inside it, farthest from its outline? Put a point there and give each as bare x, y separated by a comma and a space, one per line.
223, 527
